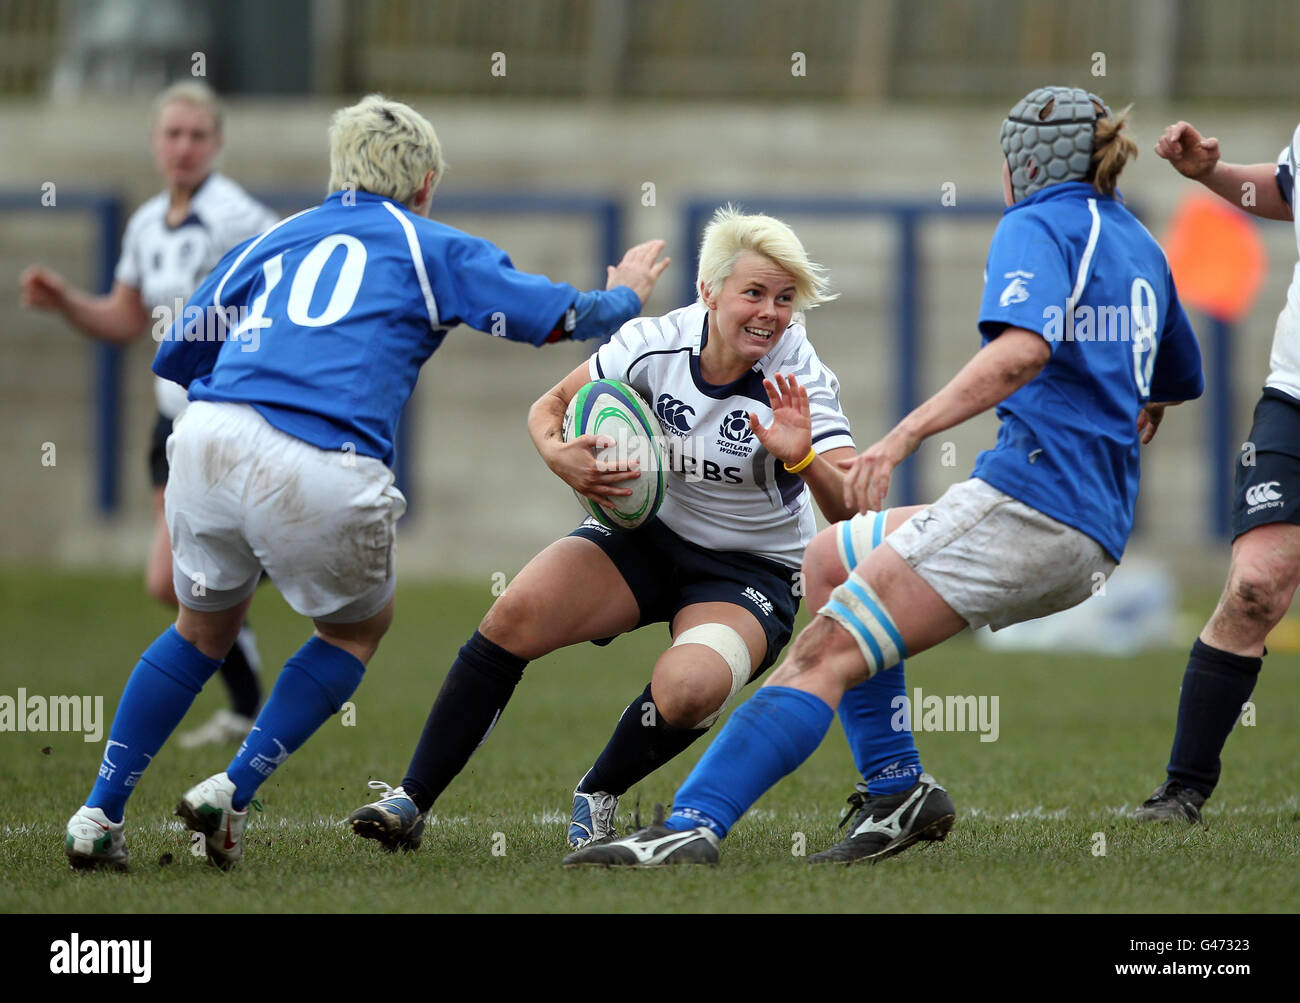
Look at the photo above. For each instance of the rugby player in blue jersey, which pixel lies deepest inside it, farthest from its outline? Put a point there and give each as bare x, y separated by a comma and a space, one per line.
299, 352
1049, 508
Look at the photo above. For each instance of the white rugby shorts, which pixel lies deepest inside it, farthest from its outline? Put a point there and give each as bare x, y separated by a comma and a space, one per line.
995, 560
244, 497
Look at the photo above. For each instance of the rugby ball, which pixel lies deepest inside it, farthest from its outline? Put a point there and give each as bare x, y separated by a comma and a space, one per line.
614, 409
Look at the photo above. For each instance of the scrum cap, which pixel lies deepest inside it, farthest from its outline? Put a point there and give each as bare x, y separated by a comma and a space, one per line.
1047, 138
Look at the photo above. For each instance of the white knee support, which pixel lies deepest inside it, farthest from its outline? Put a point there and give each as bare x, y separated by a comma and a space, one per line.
857, 537
856, 607
728, 643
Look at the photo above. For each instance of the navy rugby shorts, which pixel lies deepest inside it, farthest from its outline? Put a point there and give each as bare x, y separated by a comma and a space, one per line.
667, 573
1269, 489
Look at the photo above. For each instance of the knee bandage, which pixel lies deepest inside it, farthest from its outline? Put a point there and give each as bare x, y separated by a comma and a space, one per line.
856, 607
728, 643
857, 537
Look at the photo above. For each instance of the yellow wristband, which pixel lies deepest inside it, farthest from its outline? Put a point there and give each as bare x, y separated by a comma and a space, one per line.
802, 464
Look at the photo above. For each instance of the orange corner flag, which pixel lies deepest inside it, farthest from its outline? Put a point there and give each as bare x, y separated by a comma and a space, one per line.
1216, 257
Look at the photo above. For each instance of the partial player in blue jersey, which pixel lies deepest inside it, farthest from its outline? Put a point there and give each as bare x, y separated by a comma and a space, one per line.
1048, 510
171, 243
299, 352
720, 562
1225, 661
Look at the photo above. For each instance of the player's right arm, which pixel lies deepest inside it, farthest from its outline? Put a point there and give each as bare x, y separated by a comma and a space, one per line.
1197, 157
475, 283
575, 462
117, 318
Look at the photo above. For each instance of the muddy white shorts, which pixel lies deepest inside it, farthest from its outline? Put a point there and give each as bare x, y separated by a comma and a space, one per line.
995, 560
244, 497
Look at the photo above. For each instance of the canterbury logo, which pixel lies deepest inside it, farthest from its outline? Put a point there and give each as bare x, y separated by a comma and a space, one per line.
673, 413
1261, 493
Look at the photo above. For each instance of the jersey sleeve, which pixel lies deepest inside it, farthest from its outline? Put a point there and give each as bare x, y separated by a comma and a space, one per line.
830, 426
613, 360
1177, 375
475, 283
248, 220
128, 264
1284, 177
1028, 280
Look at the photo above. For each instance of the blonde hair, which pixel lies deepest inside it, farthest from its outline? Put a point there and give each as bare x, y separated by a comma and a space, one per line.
1111, 150
730, 233
194, 92
383, 147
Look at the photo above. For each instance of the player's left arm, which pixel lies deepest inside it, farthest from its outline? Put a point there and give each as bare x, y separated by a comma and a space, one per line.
998, 370
1176, 375
789, 438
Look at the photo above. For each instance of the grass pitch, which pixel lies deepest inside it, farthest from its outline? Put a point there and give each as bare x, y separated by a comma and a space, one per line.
1081, 740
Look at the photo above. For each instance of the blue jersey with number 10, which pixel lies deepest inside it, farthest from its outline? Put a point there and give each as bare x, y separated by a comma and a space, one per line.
1078, 268
323, 321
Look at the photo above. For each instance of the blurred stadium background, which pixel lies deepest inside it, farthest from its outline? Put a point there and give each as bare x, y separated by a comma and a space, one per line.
647, 107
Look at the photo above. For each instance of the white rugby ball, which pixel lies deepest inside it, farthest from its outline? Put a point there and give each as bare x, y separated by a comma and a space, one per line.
614, 409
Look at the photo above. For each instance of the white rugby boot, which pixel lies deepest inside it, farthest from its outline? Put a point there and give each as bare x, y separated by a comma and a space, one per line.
207, 808
93, 841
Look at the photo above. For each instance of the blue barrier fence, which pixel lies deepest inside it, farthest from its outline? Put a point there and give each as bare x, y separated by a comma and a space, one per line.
906, 216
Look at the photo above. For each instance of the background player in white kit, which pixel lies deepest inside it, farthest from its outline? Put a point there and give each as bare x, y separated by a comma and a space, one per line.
1226, 658
171, 243
719, 563
299, 352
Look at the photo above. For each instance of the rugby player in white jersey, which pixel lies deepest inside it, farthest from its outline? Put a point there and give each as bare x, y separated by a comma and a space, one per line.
299, 352
171, 243
1226, 658
755, 430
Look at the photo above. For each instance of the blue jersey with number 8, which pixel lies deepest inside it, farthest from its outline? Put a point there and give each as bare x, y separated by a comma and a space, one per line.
323, 321
1079, 269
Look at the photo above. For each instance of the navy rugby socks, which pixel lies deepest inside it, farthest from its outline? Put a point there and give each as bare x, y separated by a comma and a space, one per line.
641, 743
241, 678
1216, 684
312, 686
165, 682
473, 695
767, 737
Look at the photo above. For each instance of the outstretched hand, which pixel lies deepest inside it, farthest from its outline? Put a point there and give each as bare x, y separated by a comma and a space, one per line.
789, 437
866, 479
1191, 155
41, 288
640, 269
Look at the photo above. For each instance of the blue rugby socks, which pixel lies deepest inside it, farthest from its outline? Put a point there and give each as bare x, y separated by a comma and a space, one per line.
1216, 684
878, 727
313, 685
641, 743
473, 695
165, 682
769, 736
